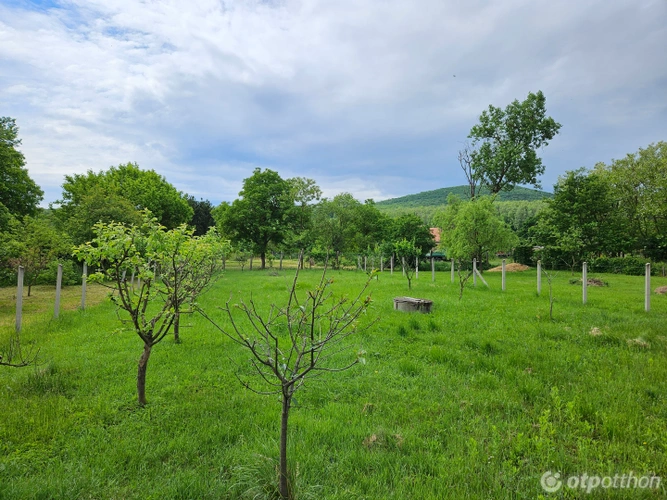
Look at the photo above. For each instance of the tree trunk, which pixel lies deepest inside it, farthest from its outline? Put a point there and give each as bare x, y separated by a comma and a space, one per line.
177, 321
262, 256
284, 486
141, 374
281, 261
29, 287
251, 257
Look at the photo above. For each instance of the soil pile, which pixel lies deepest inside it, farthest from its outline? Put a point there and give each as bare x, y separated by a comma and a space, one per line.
510, 268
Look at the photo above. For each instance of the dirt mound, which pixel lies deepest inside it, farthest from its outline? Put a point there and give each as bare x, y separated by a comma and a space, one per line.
590, 281
662, 290
510, 268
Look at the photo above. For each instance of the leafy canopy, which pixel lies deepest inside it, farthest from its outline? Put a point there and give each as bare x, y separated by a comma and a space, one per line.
505, 141
19, 194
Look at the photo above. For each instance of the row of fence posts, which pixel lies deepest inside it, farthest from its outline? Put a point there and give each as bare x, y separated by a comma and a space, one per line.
476, 273
59, 281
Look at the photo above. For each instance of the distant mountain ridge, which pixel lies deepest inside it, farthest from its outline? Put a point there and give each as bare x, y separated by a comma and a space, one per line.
438, 197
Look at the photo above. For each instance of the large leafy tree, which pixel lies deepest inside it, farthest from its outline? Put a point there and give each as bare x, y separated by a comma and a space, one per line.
472, 228
202, 218
639, 185
583, 219
144, 189
259, 216
336, 223
504, 144
305, 193
412, 228
18, 192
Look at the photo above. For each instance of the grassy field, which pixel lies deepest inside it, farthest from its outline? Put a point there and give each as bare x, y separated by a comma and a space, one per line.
476, 400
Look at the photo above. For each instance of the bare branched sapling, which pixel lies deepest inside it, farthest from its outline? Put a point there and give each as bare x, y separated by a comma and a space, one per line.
290, 344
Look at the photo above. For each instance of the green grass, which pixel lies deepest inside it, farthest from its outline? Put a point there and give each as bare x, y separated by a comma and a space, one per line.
477, 399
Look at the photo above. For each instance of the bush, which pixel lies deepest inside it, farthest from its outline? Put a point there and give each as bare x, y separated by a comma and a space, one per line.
633, 266
523, 255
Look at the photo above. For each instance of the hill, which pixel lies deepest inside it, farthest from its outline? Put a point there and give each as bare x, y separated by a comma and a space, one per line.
438, 197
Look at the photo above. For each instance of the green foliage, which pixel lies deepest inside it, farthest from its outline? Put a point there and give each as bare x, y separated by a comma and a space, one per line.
632, 266
412, 228
582, 220
506, 142
438, 197
35, 244
202, 217
638, 185
143, 189
19, 194
407, 254
171, 268
259, 216
472, 228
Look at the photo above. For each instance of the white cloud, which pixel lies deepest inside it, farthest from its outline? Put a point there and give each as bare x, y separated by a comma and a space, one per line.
203, 92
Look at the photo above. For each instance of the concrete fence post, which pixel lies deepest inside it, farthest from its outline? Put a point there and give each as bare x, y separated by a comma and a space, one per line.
416, 267
452, 270
19, 299
647, 288
503, 278
539, 277
84, 278
59, 280
474, 272
585, 282
391, 263
432, 269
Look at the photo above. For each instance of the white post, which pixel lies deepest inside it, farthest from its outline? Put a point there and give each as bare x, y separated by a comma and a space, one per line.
585, 282
381, 263
84, 277
281, 261
365, 262
647, 288
358, 262
403, 266
416, 267
432, 269
474, 272
452, 271
19, 299
391, 263
504, 282
59, 280
539, 277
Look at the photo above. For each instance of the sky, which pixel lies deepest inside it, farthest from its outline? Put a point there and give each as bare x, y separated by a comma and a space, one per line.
370, 97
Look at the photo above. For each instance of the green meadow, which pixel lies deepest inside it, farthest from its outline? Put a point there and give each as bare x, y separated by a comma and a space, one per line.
476, 400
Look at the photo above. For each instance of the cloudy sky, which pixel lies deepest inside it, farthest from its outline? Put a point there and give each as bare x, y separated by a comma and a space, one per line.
372, 97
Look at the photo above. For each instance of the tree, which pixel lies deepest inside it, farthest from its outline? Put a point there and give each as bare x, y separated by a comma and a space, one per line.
98, 205
259, 215
144, 189
472, 228
583, 219
639, 187
408, 253
18, 192
412, 228
293, 343
505, 144
189, 264
167, 276
36, 244
202, 218
305, 192
336, 222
